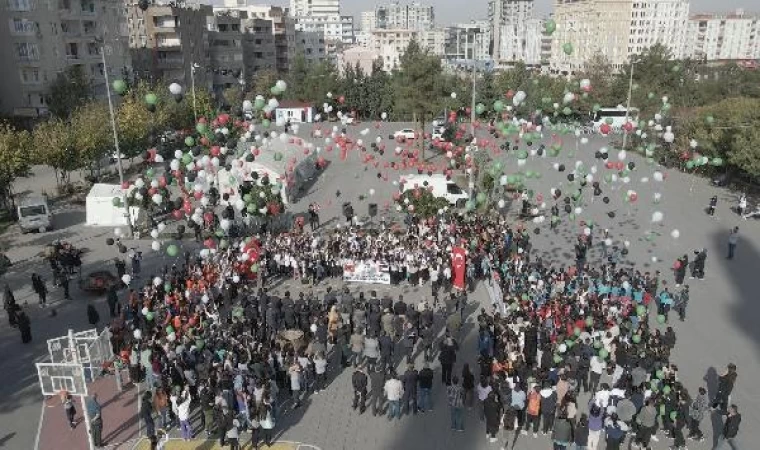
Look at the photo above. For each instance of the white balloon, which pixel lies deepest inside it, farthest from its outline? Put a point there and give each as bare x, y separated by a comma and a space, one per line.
622, 155
371, 192
225, 224
157, 281
578, 210
587, 231
137, 334
154, 234
501, 203
145, 311
156, 246
584, 140
205, 298
126, 279
281, 85
247, 105
384, 115
157, 199
235, 279
657, 176
675, 234
117, 232
657, 216
175, 88
161, 227
454, 95
608, 242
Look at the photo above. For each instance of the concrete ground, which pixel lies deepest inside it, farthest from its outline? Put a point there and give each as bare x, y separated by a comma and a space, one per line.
721, 326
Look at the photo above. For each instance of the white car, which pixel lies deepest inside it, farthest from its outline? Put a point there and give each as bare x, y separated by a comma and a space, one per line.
439, 121
438, 133
405, 134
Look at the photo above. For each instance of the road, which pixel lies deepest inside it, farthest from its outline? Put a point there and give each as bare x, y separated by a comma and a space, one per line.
721, 325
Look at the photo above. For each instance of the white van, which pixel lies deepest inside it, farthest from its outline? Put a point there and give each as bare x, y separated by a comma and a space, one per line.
34, 214
442, 187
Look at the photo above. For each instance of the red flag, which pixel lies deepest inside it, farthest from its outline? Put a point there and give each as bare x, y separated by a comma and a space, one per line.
458, 267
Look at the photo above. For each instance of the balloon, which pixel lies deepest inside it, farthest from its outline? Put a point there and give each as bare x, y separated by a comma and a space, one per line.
660, 319
636, 338
172, 250
641, 310
119, 86
126, 279
657, 216
666, 390
550, 26
567, 47
175, 89
137, 334
156, 246
151, 99
603, 353
562, 348
675, 234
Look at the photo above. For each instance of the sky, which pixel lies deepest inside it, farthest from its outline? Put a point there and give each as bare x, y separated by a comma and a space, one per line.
448, 12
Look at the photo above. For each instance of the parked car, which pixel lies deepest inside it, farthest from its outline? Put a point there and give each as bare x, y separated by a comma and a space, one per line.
439, 121
405, 134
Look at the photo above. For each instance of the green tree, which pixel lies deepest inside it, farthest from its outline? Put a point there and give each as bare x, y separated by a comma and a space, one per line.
70, 90
14, 161
54, 146
92, 138
232, 96
261, 82
133, 121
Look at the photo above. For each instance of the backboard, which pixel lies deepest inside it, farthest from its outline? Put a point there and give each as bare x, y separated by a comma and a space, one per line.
99, 350
57, 377
60, 349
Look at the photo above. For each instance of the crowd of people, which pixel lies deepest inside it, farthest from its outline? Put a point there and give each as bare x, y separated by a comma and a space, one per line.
571, 352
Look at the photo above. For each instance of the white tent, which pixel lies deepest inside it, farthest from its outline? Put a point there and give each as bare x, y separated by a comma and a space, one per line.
101, 211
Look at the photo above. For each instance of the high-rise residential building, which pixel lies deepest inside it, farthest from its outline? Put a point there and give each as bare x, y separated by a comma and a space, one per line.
468, 41
368, 21
616, 29
314, 8
311, 44
282, 27
412, 16
170, 43
225, 45
390, 45
337, 31
38, 40
509, 28
734, 36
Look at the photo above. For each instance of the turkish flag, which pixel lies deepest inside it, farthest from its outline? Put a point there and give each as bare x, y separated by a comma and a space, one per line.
458, 267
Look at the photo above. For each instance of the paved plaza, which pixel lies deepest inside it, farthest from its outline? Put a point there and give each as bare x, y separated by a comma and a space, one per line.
721, 326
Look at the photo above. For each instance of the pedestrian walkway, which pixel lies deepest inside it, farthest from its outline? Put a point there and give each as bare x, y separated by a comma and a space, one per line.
198, 444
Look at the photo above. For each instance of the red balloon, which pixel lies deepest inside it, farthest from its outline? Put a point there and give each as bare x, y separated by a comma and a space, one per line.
633, 197
677, 265
177, 213
215, 150
341, 99
198, 195
125, 185
605, 128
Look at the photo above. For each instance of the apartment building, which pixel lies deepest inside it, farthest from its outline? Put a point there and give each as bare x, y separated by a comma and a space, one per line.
337, 31
412, 16
282, 26
314, 8
171, 43
509, 28
40, 39
617, 29
732, 36
389, 45
468, 41
226, 54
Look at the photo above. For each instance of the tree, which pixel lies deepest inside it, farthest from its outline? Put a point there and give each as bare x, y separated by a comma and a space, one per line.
70, 90
415, 81
133, 121
54, 146
261, 82
232, 96
14, 161
92, 138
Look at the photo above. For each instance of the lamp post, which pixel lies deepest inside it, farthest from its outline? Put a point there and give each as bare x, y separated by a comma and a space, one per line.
476, 67
116, 140
193, 67
628, 104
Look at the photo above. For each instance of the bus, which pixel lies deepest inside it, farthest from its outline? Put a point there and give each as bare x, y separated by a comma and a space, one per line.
615, 117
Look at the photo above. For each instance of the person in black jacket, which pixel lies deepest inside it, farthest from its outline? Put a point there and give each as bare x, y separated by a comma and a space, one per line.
410, 389
730, 429
447, 358
359, 382
377, 377
725, 386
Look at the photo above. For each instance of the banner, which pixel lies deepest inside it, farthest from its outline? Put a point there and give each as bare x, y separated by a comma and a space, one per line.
458, 267
366, 272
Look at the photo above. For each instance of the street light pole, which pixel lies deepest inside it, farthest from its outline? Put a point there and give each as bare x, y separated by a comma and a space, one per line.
628, 105
116, 142
192, 80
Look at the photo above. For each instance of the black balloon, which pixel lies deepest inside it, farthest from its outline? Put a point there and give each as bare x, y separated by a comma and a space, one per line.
561, 168
624, 251
606, 199
557, 193
122, 248
110, 241
631, 165
180, 228
537, 230
570, 177
568, 208
611, 214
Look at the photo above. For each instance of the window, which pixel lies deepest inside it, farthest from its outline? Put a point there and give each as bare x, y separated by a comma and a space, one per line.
27, 51
30, 76
23, 26
19, 5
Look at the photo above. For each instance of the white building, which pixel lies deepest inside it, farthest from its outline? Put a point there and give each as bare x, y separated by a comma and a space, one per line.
363, 57
301, 8
734, 36
616, 29
413, 16
469, 41
509, 28
368, 21
337, 30
391, 44
363, 39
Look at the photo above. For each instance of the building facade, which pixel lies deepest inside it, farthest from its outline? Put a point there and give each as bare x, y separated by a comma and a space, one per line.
390, 45
368, 21
616, 29
171, 43
509, 28
314, 8
734, 36
364, 58
225, 44
311, 44
337, 31
39, 39
413, 16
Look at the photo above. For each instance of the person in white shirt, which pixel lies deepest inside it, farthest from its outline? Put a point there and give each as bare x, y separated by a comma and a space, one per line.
596, 367
394, 390
181, 406
320, 368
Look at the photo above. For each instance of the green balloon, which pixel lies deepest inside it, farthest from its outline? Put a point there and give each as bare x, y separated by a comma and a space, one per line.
169, 329
255, 268
597, 107
567, 111
274, 90
550, 26
673, 414
151, 99
717, 162
636, 338
641, 310
650, 95
660, 319
189, 141
666, 389
498, 106
709, 120
278, 156
481, 197
567, 47
167, 287
557, 359
201, 128
172, 250
150, 172
469, 205
589, 321
120, 87
259, 103
265, 123
480, 108
603, 354
522, 154
659, 374
149, 316
116, 201
577, 331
